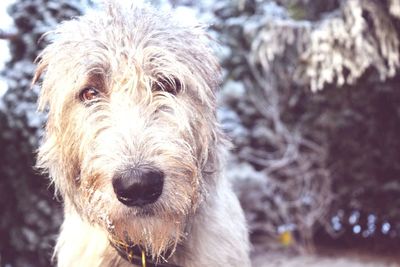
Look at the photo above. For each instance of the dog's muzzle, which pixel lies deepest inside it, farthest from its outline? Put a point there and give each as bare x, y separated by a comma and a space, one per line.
138, 186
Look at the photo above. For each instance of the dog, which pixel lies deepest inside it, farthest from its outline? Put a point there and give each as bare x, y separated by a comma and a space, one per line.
132, 143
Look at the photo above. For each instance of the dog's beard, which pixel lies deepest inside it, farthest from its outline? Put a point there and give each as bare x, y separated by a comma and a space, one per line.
157, 236
153, 228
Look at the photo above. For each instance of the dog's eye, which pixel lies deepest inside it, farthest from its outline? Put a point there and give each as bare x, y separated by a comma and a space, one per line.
89, 94
172, 86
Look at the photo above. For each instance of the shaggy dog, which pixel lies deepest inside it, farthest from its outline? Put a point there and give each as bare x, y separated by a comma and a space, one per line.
133, 146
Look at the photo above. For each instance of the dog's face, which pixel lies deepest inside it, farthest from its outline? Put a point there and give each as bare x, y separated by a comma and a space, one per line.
132, 132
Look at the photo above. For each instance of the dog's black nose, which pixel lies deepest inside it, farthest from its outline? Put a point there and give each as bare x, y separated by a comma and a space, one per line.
138, 186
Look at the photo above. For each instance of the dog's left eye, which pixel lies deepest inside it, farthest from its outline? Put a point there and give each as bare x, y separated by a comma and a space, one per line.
89, 94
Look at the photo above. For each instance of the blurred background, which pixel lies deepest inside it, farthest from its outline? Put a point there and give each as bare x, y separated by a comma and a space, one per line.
310, 99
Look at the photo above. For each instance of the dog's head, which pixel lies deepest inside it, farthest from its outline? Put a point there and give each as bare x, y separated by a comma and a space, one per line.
131, 140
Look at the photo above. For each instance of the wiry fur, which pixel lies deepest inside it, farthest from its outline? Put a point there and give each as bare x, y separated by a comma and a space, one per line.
125, 54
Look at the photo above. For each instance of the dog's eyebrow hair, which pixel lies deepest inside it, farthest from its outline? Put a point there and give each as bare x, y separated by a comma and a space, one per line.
95, 80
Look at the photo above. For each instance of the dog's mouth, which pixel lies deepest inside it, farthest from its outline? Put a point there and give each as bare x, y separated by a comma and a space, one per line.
144, 211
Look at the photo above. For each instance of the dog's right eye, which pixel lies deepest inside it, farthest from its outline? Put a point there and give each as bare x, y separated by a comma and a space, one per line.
89, 94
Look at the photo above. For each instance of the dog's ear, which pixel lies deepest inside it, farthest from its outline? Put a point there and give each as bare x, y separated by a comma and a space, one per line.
42, 64
41, 61
41, 67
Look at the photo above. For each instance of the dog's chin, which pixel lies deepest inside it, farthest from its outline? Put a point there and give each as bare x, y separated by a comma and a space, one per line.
147, 228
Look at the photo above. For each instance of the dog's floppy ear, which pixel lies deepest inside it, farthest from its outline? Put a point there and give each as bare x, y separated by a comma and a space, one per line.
41, 67
42, 64
43, 61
